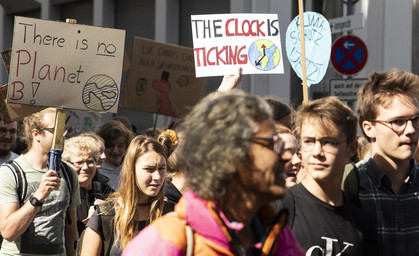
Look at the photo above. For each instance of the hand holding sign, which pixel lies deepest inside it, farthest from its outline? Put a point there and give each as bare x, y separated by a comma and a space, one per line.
318, 43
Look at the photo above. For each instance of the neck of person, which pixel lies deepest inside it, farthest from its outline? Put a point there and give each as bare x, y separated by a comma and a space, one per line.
328, 190
143, 211
36, 158
5, 155
86, 185
239, 204
396, 170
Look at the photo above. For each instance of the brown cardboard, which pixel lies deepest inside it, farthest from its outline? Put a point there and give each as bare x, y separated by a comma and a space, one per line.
145, 90
64, 65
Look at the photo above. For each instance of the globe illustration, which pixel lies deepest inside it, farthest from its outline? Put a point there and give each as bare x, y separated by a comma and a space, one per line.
100, 93
264, 55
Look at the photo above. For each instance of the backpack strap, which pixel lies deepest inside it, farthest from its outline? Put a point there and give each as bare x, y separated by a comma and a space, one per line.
272, 233
350, 184
68, 177
189, 233
106, 213
20, 179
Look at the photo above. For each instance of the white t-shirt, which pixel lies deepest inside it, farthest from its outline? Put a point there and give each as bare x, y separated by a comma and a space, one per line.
112, 173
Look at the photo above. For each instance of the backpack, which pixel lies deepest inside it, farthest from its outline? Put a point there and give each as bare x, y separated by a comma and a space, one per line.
106, 213
22, 184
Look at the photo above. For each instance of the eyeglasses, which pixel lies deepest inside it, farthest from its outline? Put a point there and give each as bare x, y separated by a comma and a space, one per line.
274, 143
327, 145
399, 125
51, 130
79, 164
3, 131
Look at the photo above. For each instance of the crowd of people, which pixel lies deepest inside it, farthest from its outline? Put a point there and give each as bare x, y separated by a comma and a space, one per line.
239, 175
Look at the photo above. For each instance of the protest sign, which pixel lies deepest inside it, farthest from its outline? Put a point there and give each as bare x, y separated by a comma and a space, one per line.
79, 121
161, 79
13, 112
222, 42
318, 43
65, 65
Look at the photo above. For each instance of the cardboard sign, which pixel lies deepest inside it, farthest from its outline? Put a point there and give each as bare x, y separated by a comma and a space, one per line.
65, 65
161, 79
222, 42
78, 121
318, 45
13, 112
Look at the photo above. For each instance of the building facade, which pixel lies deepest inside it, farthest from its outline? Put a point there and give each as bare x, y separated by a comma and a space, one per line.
390, 33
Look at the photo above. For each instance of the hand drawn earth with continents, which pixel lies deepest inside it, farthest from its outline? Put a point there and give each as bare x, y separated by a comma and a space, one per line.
100, 93
264, 55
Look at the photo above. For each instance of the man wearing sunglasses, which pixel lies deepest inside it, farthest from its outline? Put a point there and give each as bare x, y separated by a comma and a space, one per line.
322, 219
388, 187
8, 137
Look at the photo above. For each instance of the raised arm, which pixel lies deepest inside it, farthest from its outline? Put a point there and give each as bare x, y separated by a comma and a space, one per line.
14, 220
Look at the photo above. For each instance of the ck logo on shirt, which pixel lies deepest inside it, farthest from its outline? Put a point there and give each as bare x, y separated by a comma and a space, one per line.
328, 249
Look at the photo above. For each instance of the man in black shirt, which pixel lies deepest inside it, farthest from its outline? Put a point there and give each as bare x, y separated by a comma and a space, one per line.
323, 220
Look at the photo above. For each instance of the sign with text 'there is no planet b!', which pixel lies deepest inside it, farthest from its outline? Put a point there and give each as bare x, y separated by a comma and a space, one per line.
222, 42
65, 65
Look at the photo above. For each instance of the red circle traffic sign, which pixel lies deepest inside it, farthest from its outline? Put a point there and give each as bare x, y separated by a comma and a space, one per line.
349, 55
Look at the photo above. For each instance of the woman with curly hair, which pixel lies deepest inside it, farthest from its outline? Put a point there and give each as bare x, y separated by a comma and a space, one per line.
137, 201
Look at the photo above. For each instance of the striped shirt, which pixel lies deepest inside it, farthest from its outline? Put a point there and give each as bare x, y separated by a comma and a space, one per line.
396, 215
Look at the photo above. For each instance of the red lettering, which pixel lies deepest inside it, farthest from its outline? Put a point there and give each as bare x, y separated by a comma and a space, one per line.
251, 25
14, 97
34, 64
227, 23
237, 29
232, 56
56, 72
198, 63
208, 59
23, 63
249, 29
260, 32
242, 57
218, 55
48, 68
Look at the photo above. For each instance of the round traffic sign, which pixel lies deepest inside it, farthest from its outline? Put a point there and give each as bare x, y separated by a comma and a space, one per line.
349, 55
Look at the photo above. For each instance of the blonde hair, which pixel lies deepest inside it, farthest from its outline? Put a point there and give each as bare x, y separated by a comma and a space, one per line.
79, 145
35, 121
128, 195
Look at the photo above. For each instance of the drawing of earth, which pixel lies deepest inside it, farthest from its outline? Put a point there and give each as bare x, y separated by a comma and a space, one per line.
264, 55
100, 93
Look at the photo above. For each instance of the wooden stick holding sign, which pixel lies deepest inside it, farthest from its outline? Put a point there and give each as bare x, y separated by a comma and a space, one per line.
303, 50
309, 56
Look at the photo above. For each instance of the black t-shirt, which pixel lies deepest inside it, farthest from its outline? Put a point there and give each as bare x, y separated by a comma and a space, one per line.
323, 229
96, 224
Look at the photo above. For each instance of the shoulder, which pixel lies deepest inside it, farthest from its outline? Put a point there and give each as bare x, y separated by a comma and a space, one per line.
107, 208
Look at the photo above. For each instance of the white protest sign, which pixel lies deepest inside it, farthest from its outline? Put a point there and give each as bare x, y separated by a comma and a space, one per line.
222, 42
65, 65
318, 45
